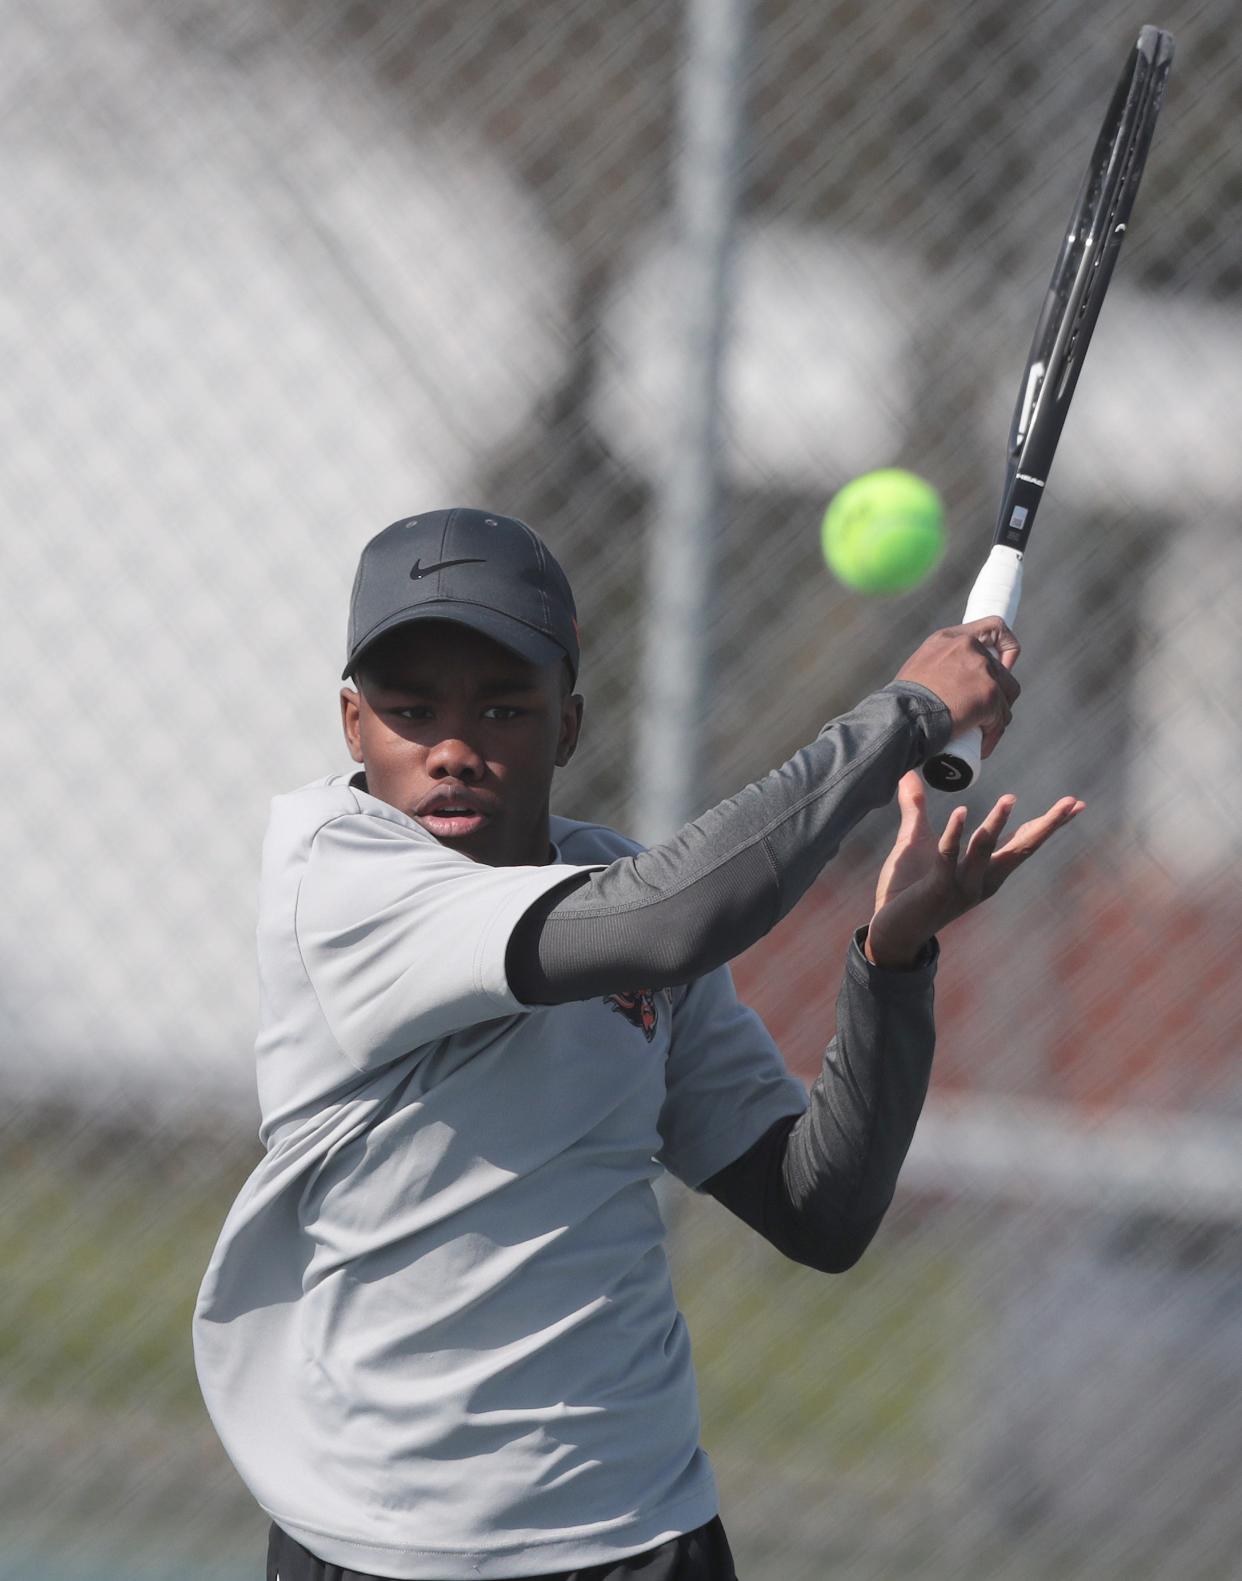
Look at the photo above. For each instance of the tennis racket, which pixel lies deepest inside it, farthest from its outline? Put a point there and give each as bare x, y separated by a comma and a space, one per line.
1080, 278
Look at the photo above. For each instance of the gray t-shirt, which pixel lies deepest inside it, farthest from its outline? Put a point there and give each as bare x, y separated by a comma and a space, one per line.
437, 1335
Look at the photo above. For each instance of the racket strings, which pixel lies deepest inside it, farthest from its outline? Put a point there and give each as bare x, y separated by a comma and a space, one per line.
1092, 248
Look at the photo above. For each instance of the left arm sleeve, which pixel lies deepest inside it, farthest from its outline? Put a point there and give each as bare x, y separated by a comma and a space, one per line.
818, 1186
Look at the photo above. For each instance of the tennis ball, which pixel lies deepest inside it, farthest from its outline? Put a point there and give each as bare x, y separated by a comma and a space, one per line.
884, 531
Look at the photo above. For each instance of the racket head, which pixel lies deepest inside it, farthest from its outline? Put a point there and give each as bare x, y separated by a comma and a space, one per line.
1080, 278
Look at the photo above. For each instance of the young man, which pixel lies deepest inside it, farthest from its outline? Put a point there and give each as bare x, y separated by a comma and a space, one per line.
437, 1336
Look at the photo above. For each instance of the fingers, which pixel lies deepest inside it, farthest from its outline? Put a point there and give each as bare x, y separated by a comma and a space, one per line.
993, 633
1010, 689
1026, 840
1009, 684
983, 842
968, 667
951, 839
984, 867
995, 730
911, 799
1000, 648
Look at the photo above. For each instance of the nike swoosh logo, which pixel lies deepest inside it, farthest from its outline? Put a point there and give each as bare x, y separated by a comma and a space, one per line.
418, 571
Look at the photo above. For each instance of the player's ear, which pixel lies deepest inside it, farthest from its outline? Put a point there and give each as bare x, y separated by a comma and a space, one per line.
351, 722
571, 725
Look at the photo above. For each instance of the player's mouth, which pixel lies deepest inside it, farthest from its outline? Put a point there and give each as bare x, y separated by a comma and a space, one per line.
453, 823
452, 816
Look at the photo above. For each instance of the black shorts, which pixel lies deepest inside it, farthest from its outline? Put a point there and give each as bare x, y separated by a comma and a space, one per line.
701, 1555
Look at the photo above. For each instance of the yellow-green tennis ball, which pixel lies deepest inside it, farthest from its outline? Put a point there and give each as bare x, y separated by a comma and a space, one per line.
884, 531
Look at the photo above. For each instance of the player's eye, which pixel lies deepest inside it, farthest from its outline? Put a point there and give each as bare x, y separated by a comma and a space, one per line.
414, 711
502, 711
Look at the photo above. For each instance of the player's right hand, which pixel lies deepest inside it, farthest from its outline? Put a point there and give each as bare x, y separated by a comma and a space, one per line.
969, 669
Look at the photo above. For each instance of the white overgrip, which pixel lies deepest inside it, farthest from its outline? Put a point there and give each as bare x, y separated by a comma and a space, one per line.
998, 587
997, 591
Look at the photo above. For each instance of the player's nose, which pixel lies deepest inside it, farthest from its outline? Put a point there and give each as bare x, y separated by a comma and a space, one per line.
453, 757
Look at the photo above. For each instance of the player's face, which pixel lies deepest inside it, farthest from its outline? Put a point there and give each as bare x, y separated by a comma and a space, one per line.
463, 736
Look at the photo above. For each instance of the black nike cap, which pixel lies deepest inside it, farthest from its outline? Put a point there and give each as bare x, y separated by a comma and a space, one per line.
488, 572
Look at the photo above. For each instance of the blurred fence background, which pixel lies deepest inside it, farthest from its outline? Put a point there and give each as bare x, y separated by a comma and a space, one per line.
277, 273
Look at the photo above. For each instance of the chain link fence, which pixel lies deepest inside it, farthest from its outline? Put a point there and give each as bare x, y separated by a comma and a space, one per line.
277, 274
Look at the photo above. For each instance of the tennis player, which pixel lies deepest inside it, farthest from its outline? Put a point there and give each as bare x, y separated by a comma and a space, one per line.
437, 1336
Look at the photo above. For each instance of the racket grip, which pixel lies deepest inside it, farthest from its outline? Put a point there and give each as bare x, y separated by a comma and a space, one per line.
997, 591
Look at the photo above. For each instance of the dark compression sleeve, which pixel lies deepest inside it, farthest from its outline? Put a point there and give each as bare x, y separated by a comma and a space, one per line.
818, 1184
686, 906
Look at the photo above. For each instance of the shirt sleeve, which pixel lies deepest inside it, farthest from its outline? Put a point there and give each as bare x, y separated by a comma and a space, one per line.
726, 1081
404, 940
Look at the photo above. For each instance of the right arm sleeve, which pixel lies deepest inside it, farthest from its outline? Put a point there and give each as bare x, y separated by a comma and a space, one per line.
672, 913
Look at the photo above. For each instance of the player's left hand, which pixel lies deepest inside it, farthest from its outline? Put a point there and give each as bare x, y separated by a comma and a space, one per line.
926, 882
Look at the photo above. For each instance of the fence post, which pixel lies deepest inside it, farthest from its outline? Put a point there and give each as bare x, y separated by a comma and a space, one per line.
669, 784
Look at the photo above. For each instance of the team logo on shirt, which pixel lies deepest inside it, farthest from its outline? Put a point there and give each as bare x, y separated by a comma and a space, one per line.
638, 1006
